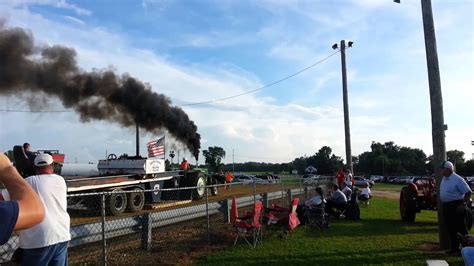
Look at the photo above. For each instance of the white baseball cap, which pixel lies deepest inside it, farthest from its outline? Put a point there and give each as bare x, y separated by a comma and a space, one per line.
43, 159
448, 165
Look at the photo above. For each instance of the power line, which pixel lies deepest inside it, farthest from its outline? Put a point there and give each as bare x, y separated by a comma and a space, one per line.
196, 103
34, 111
263, 87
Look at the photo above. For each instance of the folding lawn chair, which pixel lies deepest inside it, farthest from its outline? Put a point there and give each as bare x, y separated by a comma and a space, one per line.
249, 228
286, 218
315, 217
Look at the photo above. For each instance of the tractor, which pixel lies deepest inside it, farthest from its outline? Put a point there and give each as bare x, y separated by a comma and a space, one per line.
419, 195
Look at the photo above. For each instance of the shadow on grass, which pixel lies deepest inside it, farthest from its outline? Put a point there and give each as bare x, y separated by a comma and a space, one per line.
374, 227
404, 256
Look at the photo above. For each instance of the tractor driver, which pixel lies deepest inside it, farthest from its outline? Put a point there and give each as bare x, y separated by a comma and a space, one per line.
184, 164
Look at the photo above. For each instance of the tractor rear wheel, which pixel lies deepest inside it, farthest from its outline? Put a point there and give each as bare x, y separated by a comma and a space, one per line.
407, 205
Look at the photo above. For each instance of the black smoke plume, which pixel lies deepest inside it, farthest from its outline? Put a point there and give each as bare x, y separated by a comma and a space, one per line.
96, 95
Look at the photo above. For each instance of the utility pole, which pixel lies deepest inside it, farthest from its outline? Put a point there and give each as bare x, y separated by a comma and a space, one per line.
137, 140
233, 161
436, 99
345, 100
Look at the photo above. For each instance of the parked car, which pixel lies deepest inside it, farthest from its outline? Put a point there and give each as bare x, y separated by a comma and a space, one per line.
470, 181
360, 181
249, 179
310, 179
268, 178
376, 178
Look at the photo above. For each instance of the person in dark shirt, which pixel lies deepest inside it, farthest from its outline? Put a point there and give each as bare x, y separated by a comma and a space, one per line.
24, 210
31, 155
337, 200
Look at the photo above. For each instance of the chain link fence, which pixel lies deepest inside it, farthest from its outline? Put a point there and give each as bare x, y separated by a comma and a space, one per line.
166, 226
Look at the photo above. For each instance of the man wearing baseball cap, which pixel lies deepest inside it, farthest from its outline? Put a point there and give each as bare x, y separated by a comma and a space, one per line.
454, 194
46, 243
24, 209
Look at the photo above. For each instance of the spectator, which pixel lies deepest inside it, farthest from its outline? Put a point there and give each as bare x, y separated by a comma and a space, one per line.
317, 200
340, 178
31, 155
25, 208
46, 243
349, 178
338, 200
455, 195
346, 190
468, 256
365, 194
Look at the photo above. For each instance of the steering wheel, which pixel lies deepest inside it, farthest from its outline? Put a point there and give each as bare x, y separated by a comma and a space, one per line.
112, 156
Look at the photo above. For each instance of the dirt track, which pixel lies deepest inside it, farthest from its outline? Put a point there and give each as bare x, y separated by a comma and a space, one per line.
81, 217
239, 190
386, 194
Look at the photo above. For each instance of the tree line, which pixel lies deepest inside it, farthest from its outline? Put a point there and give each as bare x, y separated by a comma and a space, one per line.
387, 159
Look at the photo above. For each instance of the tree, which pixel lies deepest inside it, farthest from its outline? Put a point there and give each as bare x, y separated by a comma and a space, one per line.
391, 159
455, 156
213, 156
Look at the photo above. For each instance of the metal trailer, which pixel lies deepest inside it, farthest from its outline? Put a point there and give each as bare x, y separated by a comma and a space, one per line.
126, 178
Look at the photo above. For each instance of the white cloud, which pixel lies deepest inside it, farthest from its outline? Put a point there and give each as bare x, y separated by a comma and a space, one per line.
75, 20
386, 103
54, 3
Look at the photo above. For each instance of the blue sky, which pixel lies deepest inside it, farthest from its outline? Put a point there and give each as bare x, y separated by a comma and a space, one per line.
201, 50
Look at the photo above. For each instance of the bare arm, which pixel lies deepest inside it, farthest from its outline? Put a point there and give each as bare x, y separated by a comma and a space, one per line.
467, 197
31, 209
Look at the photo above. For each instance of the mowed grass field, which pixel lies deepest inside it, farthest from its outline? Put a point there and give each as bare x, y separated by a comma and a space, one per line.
379, 238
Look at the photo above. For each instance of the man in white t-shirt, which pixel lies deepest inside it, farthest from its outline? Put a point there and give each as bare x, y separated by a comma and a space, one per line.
46, 243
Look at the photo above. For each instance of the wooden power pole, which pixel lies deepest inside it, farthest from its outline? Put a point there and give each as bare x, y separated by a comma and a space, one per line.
346, 107
436, 100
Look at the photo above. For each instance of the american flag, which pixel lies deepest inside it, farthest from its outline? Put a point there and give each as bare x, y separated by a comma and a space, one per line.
156, 147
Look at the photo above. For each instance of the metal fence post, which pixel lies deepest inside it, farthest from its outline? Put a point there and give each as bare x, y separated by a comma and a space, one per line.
282, 193
254, 193
265, 199
301, 187
146, 231
226, 210
290, 196
104, 235
207, 216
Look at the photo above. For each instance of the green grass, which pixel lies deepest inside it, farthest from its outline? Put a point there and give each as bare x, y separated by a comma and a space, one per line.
378, 238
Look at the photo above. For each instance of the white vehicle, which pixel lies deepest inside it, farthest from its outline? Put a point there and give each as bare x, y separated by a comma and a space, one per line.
249, 179
311, 179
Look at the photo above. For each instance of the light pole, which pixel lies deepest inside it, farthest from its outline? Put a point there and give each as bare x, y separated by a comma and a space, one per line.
345, 102
436, 100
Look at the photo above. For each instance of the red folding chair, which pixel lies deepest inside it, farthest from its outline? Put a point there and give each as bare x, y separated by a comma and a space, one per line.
284, 217
250, 229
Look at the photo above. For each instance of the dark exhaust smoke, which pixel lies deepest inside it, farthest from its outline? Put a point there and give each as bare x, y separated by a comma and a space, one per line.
96, 95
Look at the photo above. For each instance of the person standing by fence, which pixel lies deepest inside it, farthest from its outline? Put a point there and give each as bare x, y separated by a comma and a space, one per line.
46, 243
340, 178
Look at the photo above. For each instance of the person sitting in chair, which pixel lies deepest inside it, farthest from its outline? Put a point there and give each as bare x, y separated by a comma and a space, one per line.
346, 190
338, 200
315, 202
365, 194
